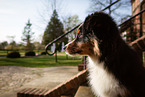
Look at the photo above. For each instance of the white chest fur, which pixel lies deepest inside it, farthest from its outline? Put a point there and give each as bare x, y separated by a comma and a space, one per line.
103, 83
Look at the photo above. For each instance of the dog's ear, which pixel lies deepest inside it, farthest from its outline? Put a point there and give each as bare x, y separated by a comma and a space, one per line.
94, 23
98, 28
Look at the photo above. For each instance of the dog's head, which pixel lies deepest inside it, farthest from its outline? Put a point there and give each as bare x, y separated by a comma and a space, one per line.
94, 35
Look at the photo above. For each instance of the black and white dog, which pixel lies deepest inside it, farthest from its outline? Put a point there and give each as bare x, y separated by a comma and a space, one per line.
115, 70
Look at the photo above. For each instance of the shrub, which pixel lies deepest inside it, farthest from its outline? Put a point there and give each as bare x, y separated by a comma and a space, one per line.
13, 54
43, 53
30, 53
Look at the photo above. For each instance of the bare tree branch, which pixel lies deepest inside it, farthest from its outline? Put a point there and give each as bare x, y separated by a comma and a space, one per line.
116, 7
117, 10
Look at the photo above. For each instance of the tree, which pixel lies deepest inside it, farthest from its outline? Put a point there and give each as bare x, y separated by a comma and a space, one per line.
3, 44
27, 36
38, 46
53, 30
70, 22
12, 46
119, 10
47, 8
21, 46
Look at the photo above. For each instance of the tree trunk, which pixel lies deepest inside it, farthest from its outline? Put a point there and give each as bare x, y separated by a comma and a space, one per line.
56, 56
56, 45
66, 56
110, 2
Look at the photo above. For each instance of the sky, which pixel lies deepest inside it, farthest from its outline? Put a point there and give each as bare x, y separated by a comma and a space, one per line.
14, 14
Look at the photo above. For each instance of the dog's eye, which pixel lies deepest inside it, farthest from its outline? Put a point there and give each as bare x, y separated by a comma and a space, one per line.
80, 35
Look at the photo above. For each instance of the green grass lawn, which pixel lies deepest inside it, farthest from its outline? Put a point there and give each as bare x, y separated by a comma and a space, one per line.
41, 61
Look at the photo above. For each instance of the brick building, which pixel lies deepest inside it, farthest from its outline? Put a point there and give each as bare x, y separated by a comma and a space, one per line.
137, 6
138, 23
135, 28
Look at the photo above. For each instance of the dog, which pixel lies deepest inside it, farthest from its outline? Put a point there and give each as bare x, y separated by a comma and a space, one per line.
115, 69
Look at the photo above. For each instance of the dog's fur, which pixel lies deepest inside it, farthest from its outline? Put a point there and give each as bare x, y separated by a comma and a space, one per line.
115, 70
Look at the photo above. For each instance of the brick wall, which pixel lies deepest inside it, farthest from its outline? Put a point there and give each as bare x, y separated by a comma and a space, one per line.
66, 89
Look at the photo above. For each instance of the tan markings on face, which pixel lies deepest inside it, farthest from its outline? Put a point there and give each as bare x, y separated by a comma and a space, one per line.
96, 48
80, 48
78, 31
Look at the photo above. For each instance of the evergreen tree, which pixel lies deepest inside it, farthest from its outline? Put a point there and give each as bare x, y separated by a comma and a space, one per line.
53, 30
27, 36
